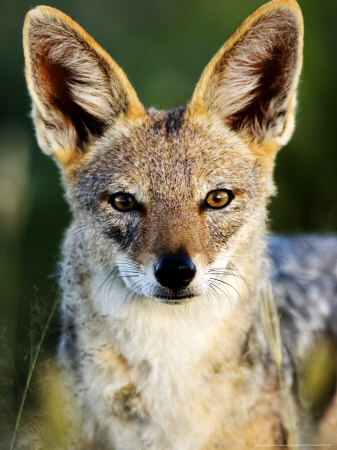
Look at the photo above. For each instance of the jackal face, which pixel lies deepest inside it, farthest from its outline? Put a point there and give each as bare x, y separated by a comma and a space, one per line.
168, 199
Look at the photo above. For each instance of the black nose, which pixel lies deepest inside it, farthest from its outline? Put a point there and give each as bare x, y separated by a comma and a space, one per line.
175, 271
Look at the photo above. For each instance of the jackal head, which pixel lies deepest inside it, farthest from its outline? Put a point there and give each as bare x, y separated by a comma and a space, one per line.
171, 200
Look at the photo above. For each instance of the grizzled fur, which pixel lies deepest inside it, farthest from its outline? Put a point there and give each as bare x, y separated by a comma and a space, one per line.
146, 365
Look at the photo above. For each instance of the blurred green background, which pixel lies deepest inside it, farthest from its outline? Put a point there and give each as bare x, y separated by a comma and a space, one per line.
163, 47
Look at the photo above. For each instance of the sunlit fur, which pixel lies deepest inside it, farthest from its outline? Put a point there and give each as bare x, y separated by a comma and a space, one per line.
195, 373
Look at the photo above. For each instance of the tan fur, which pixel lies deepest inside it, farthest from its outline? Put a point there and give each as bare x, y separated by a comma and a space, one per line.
328, 426
145, 374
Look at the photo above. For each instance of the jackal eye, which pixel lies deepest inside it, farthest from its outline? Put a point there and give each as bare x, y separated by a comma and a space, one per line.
122, 201
219, 198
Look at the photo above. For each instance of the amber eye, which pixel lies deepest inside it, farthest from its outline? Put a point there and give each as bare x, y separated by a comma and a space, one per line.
122, 201
219, 198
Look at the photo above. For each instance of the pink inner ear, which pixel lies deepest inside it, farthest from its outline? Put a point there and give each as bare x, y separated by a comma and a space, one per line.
230, 120
54, 80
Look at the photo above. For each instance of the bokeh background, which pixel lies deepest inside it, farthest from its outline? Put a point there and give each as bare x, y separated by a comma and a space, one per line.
163, 46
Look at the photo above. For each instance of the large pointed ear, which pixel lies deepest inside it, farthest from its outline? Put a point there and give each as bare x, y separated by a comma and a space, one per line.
250, 83
77, 89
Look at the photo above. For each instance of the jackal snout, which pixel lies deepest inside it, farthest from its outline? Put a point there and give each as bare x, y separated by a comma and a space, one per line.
175, 271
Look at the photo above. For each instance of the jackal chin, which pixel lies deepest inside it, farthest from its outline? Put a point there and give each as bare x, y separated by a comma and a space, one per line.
178, 299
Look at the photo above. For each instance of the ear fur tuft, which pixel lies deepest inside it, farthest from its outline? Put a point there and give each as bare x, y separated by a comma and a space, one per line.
250, 83
77, 89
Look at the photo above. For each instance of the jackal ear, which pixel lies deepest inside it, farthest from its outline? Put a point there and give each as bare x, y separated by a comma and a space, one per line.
250, 83
77, 89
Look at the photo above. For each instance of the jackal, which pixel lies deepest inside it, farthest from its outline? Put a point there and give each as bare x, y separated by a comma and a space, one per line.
167, 255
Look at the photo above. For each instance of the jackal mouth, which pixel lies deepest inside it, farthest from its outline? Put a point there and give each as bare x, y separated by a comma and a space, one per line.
174, 299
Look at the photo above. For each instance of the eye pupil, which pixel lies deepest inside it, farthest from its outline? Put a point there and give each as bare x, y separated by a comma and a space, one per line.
122, 202
219, 198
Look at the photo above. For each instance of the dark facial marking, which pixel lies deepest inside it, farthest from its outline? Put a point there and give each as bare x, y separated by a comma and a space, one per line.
174, 119
57, 77
123, 238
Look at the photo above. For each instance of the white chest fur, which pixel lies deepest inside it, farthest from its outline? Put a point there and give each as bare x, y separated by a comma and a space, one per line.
161, 376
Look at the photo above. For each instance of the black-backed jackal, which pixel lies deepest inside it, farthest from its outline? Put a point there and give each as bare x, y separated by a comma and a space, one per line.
166, 259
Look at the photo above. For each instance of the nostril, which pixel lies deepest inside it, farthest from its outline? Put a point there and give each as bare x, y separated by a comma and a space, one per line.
175, 271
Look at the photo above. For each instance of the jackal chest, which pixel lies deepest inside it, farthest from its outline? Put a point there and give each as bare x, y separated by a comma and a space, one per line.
163, 393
